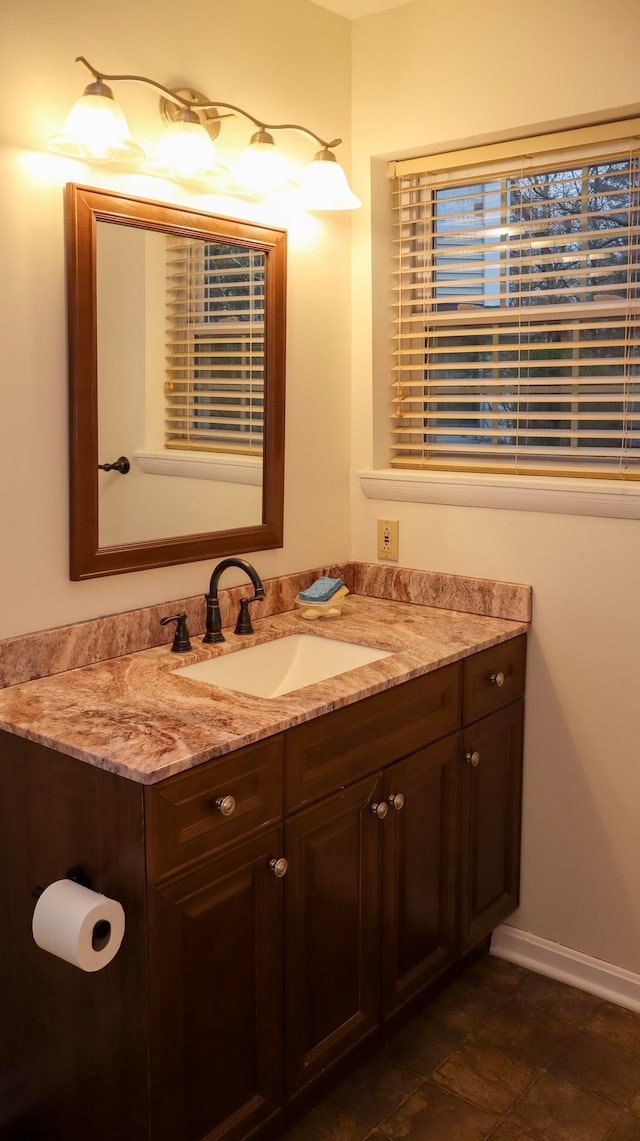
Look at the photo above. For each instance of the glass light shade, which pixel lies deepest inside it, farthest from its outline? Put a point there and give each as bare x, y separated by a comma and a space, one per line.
324, 185
96, 130
262, 168
187, 152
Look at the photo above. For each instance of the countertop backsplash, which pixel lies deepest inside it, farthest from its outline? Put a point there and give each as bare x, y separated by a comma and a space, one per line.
43, 653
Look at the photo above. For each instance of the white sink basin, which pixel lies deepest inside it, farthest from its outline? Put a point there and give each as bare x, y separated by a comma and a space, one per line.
283, 665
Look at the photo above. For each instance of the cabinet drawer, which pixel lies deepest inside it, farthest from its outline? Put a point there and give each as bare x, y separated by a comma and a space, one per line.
493, 678
184, 813
330, 752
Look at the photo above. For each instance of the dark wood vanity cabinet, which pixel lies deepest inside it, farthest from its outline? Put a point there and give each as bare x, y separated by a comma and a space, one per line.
420, 844
215, 946
491, 798
237, 986
332, 925
370, 904
216, 1019
493, 684
370, 901
394, 876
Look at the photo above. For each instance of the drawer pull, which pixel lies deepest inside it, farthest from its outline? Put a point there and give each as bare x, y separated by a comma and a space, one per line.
379, 810
473, 758
397, 801
279, 867
226, 805
497, 679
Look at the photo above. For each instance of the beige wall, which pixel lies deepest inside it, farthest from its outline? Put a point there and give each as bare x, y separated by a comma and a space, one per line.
268, 55
423, 75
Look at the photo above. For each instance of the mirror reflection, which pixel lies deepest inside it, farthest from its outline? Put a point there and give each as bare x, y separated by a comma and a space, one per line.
180, 346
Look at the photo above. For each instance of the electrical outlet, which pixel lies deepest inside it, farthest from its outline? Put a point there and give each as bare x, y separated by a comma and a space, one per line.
388, 539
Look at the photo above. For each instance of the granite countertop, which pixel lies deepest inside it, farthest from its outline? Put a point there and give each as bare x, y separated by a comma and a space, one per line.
132, 716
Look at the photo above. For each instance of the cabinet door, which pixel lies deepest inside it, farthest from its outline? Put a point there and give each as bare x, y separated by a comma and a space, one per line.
332, 915
491, 807
420, 845
215, 968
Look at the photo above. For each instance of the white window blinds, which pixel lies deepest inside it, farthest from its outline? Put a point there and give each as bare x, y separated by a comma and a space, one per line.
517, 312
214, 387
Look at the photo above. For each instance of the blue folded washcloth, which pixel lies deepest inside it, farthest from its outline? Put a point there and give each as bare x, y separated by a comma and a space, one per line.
321, 590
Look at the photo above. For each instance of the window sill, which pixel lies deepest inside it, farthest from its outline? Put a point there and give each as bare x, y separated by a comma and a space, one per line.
610, 498
202, 465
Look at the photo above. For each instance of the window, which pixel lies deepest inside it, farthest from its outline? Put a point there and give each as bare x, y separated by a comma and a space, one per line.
214, 387
517, 307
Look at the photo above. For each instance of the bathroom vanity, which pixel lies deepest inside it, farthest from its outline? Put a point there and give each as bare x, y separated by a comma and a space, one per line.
283, 899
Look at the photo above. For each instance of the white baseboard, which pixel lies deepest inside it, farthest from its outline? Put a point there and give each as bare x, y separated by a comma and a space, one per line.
569, 966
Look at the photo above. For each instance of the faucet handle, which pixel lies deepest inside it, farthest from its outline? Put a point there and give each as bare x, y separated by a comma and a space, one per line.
181, 643
243, 625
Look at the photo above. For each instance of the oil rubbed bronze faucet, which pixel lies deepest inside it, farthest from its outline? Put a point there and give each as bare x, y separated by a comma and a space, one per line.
243, 625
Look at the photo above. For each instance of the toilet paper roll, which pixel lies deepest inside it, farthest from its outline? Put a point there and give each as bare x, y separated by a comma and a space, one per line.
78, 925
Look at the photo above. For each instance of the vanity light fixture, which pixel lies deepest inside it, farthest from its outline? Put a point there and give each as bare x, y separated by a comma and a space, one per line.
261, 167
96, 130
186, 151
324, 180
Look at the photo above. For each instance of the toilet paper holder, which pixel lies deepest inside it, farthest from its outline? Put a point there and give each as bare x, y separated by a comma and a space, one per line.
76, 873
76, 923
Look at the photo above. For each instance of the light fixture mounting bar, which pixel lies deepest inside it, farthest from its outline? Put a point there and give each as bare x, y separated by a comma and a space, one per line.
199, 106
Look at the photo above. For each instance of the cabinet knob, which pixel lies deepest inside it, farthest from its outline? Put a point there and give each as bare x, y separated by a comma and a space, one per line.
473, 758
279, 867
497, 679
226, 805
397, 801
379, 810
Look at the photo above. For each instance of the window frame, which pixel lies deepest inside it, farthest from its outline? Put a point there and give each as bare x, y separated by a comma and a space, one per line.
476, 164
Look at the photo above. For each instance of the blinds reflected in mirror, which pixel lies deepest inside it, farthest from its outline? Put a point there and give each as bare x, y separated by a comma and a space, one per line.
214, 386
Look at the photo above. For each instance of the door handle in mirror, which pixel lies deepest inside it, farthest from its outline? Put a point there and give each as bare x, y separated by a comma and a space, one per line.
122, 465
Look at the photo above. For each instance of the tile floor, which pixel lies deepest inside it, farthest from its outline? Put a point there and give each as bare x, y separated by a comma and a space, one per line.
502, 1053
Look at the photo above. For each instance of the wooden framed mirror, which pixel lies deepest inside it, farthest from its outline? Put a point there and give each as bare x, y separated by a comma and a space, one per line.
177, 377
